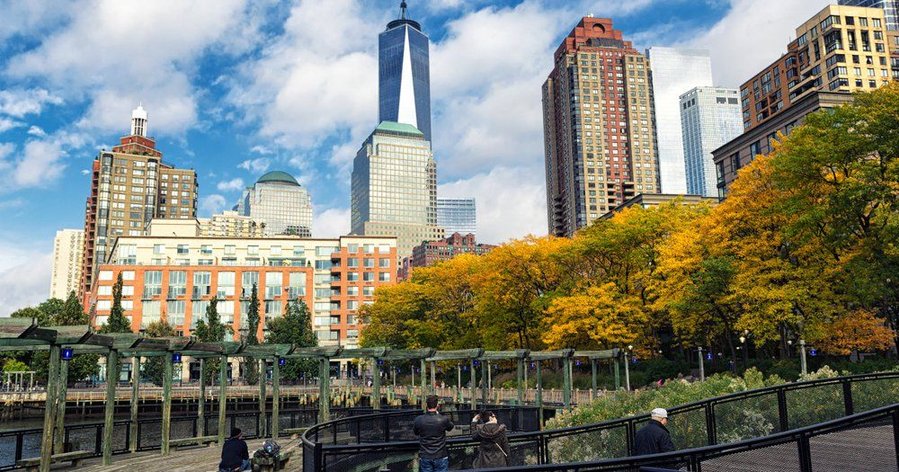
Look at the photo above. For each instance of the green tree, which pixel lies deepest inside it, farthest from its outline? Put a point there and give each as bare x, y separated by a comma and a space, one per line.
211, 330
294, 327
31, 312
155, 366
251, 369
117, 323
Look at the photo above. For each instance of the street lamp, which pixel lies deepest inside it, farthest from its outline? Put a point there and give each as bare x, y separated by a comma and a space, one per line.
743, 339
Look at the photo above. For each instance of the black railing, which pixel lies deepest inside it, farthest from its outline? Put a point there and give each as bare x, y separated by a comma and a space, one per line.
727, 420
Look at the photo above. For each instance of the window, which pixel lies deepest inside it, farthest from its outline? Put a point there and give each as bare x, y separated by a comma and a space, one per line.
383, 276
104, 290
352, 276
368, 291
206, 249
152, 283
352, 262
755, 149
127, 275
299, 250
150, 313
368, 276
175, 312
368, 262
352, 305
202, 282
275, 251
297, 285
273, 285
105, 275
177, 283
104, 304
198, 312
272, 308
127, 291
126, 254
248, 279
253, 250
225, 285
229, 250
159, 249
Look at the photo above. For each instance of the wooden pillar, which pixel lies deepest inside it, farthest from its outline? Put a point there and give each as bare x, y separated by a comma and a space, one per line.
459, 382
201, 404
485, 378
520, 379
433, 388
627, 374
59, 426
223, 399
276, 399
112, 378
617, 373
424, 383
166, 405
474, 385
566, 382
50, 408
135, 394
324, 398
593, 390
261, 430
375, 384
539, 394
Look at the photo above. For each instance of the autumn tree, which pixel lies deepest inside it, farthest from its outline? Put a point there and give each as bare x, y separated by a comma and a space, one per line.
856, 331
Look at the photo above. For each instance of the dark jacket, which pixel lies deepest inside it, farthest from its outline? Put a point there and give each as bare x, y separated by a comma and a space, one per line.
234, 452
431, 430
494, 448
653, 438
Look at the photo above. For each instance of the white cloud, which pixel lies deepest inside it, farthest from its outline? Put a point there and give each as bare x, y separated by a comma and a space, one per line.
213, 204
7, 124
36, 131
256, 166
511, 202
21, 102
331, 223
260, 149
40, 163
26, 267
230, 185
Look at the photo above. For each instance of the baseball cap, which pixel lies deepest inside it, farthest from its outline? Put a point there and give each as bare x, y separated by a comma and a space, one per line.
659, 413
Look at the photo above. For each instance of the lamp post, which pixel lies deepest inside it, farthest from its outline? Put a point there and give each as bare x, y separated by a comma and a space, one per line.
701, 365
627, 373
803, 367
743, 338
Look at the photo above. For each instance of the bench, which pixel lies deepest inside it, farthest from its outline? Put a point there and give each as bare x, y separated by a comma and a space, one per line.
266, 464
197, 441
34, 463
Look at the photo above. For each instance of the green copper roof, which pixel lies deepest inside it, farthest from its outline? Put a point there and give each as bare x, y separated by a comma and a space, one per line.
278, 176
402, 128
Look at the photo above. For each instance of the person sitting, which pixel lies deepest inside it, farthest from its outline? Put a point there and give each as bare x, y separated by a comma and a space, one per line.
493, 451
235, 455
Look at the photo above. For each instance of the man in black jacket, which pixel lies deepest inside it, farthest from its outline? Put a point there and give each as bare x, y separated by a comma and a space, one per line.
654, 438
431, 429
235, 455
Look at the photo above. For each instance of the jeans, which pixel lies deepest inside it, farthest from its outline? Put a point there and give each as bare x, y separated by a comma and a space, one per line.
433, 465
244, 465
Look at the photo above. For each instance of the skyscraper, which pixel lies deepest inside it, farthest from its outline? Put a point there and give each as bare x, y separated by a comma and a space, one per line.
710, 118
130, 186
394, 187
68, 249
674, 71
404, 83
890, 9
598, 126
279, 201
457, 215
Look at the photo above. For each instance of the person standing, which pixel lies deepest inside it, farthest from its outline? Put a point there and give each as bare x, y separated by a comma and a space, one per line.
493, 451
431, 428
235, 455
654, 438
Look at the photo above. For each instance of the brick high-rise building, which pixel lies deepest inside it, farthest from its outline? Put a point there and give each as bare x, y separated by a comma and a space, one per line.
130, 185
598, 126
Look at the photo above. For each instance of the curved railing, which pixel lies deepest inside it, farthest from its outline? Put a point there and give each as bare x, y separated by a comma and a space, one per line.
729, 419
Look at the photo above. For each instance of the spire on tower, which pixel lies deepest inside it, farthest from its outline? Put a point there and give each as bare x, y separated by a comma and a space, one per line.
403, 10
139, 121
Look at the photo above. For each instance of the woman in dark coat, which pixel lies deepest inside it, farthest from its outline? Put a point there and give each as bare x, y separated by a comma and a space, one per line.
494, 448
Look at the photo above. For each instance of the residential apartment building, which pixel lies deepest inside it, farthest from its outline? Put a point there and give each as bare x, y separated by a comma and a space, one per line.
130, 185
598, 126
457, 215
230, 224
674, 71
429, 253
890, 10
173, 273
394, 187
68, 249
710, 117
656, 199
840, 49
281, 203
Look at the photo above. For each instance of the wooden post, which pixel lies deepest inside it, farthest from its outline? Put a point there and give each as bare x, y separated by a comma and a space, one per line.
539, 395
262, 419
566, 382
223, 399
459, 382
135, 394
201, 404
166, 405
112, 378
617, 373
375, 384
627, 374
485, 378
59, 427
433, 388
50, 408
424, 382
474, 385
593, 390
324, 398
520, 378
276, 399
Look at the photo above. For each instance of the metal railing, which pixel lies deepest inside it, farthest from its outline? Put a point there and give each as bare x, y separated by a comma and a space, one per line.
727, 420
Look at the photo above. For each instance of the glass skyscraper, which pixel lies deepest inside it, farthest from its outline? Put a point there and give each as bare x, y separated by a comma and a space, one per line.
890, 9
457, 215
404, 83
279, 201
674, 71
710, 118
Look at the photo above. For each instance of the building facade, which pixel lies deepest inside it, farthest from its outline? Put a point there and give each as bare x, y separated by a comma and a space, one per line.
710, 117
394, 187
674, 71
130, 185
176, 277
840, 49
230, 224
431, 252
68, 249
281, 203
656, 199
890, 10
457, 215
404, 77
740, 151
598, 126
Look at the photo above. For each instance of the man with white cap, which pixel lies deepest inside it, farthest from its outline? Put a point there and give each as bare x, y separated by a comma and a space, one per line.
654, 438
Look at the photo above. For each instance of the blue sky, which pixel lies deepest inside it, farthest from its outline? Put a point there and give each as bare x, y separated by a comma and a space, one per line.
237, 87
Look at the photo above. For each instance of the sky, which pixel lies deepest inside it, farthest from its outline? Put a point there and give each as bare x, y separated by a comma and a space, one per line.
235, 88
